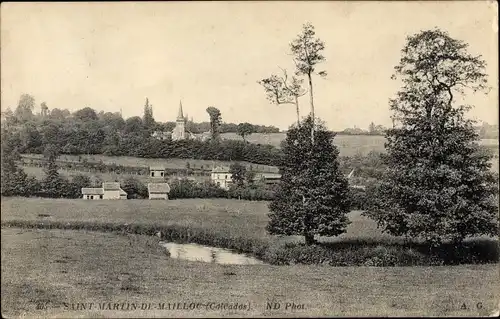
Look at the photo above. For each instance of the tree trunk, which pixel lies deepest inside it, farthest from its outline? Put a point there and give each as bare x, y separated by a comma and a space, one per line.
297, 108
309, 238
311, 99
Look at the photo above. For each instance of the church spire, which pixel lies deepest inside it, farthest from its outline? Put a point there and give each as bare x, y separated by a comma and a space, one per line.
180, 116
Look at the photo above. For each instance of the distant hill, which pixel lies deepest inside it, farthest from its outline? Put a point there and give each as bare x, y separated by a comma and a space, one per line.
348, 144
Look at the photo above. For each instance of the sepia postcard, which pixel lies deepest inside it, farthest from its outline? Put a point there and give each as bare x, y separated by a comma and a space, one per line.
249, 159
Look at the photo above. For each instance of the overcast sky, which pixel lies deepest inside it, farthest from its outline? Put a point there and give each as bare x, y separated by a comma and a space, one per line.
113, 55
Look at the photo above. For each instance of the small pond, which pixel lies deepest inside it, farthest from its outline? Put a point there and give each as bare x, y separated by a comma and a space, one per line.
195, 252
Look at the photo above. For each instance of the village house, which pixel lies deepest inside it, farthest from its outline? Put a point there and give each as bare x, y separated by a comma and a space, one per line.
161, 135
157, 171
92, 193
221, 176
158, 190
109, 190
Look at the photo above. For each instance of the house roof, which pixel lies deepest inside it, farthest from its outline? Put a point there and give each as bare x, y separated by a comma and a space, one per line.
268, 175
220, 169
122, 192
111, 186
92, 191
158, 188
157, 168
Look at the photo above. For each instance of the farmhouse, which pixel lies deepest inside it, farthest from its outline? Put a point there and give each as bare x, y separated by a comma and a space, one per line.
268, 178
158, 190
221, 176
109, 190
92, 193
157, 171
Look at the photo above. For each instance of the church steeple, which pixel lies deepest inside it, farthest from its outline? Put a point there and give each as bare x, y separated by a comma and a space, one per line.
180, 116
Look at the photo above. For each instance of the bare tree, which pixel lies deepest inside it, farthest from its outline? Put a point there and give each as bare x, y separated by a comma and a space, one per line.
281, 90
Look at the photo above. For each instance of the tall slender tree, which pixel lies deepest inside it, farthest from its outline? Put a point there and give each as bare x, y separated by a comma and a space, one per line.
148, 119
215, 121
306, 50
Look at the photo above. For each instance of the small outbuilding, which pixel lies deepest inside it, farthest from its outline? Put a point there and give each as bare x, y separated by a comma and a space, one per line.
157, 171
109, 190
158, 190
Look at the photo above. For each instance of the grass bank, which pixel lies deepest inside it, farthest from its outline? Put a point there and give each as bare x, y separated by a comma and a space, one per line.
59, 268
239, 226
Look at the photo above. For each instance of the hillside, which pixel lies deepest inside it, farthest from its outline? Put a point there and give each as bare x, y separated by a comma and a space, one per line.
348, 144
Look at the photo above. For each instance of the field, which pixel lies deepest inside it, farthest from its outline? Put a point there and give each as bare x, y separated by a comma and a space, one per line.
39, 174
54, 267
348, 145
172, 163
224, 216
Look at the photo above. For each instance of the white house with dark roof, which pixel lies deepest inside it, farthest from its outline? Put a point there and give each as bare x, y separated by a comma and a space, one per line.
109, 190
221, 176
158, 190
92, 193
157, 171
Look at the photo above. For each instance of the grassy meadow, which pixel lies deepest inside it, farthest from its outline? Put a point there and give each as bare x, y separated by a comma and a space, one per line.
60, 267
169, 163
227, 217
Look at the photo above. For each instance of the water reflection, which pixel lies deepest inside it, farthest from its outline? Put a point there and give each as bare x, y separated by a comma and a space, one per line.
195, 252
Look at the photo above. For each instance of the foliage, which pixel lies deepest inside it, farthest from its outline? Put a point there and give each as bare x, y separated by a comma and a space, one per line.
245, 129
215, 121
438, 185
53, 185
14, 181
134, 188
249, 177
237, 172
312, 197
281, 91
25, 107
306, 50
148, 119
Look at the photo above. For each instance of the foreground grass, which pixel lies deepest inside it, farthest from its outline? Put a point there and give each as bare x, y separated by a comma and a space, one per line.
53, 267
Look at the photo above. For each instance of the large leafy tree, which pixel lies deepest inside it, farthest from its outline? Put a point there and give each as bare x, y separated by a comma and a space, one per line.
237, 172
245, 129
25, 107
215, 121
312, 197
14, 180
438, 185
